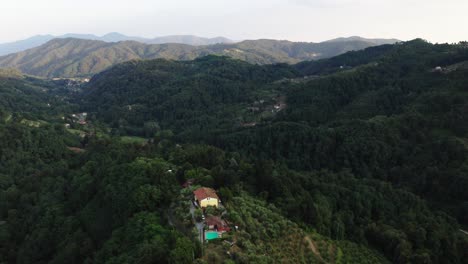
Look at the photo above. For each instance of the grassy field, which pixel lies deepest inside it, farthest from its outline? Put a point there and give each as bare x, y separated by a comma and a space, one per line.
133, 140
76, 132
32, 123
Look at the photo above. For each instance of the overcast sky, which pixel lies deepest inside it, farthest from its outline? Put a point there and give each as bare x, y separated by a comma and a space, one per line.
297, 20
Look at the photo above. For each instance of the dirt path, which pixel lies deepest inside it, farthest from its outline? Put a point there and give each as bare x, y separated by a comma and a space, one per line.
464, 232
313, 247
8, 118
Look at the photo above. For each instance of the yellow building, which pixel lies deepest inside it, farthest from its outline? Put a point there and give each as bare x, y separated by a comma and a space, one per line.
206, 197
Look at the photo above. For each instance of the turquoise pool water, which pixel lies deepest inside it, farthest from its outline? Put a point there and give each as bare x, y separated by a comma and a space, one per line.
211, 235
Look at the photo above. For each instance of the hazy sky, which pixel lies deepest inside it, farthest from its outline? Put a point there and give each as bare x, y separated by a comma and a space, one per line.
298, 20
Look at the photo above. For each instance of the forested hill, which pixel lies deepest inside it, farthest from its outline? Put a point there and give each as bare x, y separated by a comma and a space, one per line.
400, 119
170, 92
391, 113
184, 96
73, 57
361, 158
368, 107
26, 98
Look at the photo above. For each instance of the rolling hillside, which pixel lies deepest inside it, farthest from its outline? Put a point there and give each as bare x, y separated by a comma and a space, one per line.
26, 97
78, 57
377, 41
315, 163
390, 123
35, 41
162, 91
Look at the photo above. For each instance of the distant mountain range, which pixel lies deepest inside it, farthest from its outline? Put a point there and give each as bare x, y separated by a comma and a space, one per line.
35, 41
75, 57
376, 41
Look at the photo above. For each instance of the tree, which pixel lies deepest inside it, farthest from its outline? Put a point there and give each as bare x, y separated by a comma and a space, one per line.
183, 253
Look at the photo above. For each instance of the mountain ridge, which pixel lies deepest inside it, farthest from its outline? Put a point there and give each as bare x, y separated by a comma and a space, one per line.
72, 57
378, 41
35, 41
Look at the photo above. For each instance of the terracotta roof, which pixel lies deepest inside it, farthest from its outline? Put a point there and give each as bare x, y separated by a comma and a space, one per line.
76, 150
217, 222
203, 192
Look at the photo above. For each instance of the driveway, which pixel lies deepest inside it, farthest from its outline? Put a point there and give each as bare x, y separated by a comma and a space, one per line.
199, 225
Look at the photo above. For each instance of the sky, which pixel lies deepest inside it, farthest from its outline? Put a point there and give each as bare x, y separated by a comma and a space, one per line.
297, 20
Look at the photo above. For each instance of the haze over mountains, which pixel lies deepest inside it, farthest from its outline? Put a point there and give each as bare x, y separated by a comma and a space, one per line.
85, 55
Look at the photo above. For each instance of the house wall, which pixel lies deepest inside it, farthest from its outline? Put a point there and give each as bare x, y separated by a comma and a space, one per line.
209, 202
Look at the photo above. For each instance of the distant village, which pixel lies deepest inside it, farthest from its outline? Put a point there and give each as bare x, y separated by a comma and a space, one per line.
78, 118
264, 108
72, 84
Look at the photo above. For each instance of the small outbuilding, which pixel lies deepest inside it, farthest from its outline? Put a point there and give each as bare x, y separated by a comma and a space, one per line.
217, 224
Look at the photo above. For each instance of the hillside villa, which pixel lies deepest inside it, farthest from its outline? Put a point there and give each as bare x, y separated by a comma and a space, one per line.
206, 197
214, 226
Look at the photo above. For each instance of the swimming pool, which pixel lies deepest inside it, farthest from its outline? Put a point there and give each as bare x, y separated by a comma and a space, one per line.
211, 235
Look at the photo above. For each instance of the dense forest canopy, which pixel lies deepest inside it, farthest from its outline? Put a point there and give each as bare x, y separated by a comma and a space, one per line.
360, 158
178, 95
